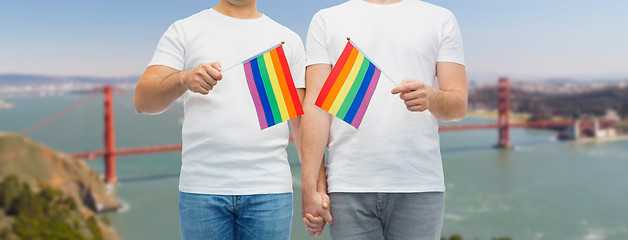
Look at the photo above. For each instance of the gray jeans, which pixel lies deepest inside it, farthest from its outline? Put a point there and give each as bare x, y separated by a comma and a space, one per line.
390, 216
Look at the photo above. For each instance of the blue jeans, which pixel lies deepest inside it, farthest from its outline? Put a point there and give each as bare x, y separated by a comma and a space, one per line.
224, 217
390, 216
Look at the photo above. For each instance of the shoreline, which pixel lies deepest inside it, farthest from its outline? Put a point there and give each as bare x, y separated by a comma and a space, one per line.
6, 105
603, 139
492, 114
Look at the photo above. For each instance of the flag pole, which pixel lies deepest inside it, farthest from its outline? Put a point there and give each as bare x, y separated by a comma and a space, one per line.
231, 67
370, 59
251, 58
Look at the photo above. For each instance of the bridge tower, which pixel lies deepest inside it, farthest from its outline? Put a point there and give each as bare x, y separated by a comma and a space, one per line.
503, 99
110, 139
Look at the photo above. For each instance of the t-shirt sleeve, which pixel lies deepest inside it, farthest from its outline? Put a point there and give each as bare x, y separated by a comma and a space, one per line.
316, 43
297, 66
451, 49
170, 50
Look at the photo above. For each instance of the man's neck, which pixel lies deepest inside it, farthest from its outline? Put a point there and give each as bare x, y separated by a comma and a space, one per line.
238, 9
383, 1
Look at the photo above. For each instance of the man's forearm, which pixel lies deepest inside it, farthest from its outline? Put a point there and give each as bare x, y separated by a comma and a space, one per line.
448, 105
312, 150
315, 124
321, 185
155, 93
449, 102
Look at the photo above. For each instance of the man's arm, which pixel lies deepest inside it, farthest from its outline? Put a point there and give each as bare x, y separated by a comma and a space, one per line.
314, 135
160, 85
316, 225
295, 125
321, 185
448, 102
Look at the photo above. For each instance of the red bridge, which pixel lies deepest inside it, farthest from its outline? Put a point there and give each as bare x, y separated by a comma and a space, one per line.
503, 122
110, 152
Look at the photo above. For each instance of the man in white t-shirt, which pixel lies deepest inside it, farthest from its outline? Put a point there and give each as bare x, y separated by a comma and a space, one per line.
235, 180
385, 179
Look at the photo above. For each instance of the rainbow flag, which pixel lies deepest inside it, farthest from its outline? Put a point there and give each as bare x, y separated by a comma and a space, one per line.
272, 88
348, 89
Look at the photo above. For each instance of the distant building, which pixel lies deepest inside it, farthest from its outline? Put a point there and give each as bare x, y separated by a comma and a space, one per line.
612, 115
593, 128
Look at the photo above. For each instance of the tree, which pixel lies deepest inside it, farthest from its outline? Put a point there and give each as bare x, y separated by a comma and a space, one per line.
9, 189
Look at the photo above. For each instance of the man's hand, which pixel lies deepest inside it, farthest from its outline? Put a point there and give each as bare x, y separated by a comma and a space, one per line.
315, 225
415, 94
447, 103
315, 211
202, 78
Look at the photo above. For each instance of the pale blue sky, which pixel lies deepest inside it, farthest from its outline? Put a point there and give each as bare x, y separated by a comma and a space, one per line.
531, 38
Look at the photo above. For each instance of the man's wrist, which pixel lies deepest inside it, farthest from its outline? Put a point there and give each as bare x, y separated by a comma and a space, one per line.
178, 78
432, 93
320, 189
309, 186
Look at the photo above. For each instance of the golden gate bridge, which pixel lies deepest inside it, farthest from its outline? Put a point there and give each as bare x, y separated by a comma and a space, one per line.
110, 152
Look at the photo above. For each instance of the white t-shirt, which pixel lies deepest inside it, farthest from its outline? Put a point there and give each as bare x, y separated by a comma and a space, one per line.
224, 150
394, 150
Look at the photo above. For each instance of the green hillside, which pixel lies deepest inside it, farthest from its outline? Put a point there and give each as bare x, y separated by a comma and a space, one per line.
45, 194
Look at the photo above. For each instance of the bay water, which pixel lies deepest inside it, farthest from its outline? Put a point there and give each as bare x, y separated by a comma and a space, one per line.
541, 189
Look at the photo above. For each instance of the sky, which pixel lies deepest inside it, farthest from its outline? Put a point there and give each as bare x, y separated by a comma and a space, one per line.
523, 39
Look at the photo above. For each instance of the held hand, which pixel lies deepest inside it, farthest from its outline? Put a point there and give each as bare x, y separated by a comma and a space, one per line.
202, 78
315, 225
316, 212
415, 94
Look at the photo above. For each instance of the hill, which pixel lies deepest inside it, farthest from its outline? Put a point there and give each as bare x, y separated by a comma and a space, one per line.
49, 195
543, 105
31, 79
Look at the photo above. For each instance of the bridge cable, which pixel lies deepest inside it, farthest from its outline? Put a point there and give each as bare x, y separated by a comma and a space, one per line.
124, 92
61, 113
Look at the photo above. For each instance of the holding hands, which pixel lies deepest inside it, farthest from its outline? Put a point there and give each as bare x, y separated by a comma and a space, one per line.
415, 94
202, 78
316, 212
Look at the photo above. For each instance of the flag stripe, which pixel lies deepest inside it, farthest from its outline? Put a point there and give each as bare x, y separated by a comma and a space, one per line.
355, 105
333, 92
335, 71
274, 82
369, 93
287, 99
354, 89
272, 88
344, 90
349, 88
296, 103
259, 83
272, 101
250, 80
